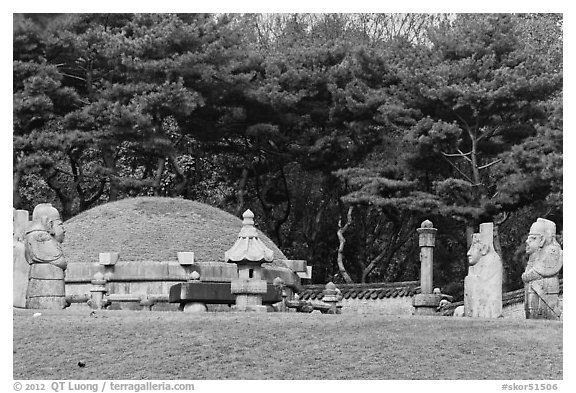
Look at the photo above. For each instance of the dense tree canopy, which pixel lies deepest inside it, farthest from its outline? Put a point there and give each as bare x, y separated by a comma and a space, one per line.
343, 132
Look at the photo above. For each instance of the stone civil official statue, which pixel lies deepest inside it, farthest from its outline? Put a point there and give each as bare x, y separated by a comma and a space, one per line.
483, 284
541, 277
43, 252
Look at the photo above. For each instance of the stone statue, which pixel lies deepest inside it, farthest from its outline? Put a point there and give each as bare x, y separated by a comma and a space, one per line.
483, 284
44, 254
541, 281
20, 267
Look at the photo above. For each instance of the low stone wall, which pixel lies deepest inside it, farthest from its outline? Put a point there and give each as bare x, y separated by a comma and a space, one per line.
394, 298
146, 285
516, 310
386, 306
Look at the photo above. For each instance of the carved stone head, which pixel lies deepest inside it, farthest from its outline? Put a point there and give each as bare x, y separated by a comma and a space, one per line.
477, 250
482, 243
49, 217
542, 232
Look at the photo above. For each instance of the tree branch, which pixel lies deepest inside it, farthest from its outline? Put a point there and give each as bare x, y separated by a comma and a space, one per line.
458, 169
459, 154
342, 242
490, 164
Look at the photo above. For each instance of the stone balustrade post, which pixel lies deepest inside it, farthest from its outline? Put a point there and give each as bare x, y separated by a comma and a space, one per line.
146, 303
97, 292
330, 297
279, 283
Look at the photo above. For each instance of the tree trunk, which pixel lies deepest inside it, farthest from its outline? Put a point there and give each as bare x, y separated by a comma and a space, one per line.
342, 243
181, 186
158, 177
278, 224
496, 240
497, 222
241, 192
51, 179
469, 232
16, 197
110, 163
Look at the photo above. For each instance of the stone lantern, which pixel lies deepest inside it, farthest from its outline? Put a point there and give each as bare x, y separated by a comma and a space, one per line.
249, 252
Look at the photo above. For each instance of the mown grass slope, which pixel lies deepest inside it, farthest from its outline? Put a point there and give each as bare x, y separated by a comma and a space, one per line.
216, 346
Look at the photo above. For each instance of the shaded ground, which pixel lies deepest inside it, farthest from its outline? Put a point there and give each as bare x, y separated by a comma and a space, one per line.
215, 346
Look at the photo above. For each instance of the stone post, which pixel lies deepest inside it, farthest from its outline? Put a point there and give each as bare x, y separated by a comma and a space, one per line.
426, 242
20, 267
97, 291
331, 298
426, 302
146, 303
279, 283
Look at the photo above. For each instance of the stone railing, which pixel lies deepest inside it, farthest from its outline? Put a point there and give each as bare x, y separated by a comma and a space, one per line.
134, 285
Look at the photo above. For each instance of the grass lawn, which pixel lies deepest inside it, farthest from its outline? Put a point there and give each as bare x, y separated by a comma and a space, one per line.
216, 346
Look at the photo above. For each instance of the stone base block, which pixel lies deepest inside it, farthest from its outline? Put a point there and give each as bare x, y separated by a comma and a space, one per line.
296, 265
426, 304
426, 300
108, 258
45, 288
47, 302
248, 287
185, 258
245, 301
194, 307
252, 308
215, 293
425, 311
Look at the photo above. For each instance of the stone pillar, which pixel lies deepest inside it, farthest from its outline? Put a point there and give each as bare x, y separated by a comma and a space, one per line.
426, 303
331, 298
20, 268
97, 292
194, 307
426, 242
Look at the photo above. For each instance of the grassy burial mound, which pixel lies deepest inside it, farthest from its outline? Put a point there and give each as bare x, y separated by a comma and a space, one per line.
154, 229
216, 346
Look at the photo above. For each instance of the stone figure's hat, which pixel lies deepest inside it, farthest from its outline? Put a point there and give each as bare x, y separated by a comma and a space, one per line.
544, 227
45, 210
486, 234
248, 246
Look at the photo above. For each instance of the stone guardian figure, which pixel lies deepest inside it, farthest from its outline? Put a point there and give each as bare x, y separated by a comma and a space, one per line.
483, 284
20, 267
43, 249
541, 277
